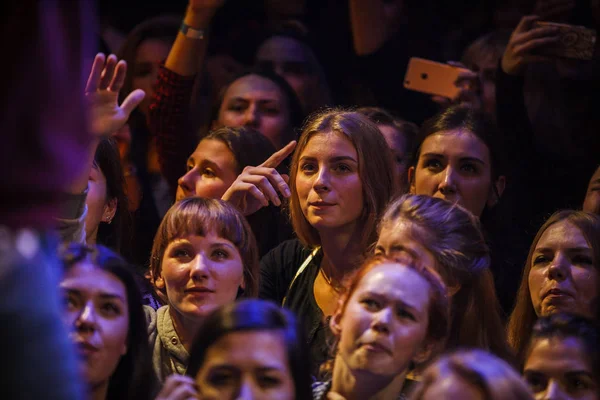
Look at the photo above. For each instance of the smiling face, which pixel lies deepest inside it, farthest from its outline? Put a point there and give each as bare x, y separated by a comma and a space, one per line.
200, 273
455, 166
328, 184
97, 315
559, 368
563, 276
384, 325
211, 169
258, 103
247, 365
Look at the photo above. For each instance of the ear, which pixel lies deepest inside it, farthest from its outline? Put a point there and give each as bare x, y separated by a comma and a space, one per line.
411, 180
159, 282
335, 323
110, 209
494, 196
124, 349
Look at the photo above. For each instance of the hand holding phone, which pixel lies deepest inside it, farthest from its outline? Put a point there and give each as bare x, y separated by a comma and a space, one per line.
576, 42
434, 78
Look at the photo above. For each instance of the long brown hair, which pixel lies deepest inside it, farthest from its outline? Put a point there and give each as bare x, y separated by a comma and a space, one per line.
523, 317
196, 216
375, 168
454, 238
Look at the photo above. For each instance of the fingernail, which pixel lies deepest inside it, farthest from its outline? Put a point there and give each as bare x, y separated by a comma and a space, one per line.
286, 191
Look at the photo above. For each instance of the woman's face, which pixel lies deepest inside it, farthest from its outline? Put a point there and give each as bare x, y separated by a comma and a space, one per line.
150, 53
455, 166
258, 103
247, 365
290, 59
398, 144
328, 185
384, 326
97, 316
402, 239
200, 274
100, 207
563, 276
211, 169
559, 368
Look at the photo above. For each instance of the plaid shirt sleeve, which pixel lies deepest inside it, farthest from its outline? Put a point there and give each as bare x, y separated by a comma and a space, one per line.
168, 122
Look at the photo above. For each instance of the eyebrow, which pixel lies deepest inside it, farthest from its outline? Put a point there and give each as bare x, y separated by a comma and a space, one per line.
399, 247
578, 373
205, 161
472, 159
260, 101
223, 244
395, 300
103, 295
332, 159
570, 250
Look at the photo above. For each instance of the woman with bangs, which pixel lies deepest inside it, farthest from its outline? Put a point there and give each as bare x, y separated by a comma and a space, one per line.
341, 178
204, 256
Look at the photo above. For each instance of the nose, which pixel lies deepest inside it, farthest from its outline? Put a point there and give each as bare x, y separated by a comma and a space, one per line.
381, 322
322, 180
554, 392
558, 269
86, 321
186, 182
200, 267
252, 117
246, 391
448, 184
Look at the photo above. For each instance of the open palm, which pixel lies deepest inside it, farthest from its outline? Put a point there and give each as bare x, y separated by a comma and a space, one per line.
106, 79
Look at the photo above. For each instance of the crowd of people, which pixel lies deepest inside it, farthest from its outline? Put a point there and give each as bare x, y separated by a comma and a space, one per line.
205, 215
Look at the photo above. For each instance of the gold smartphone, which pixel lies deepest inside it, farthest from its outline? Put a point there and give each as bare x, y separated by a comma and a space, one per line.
575, 41
432, 77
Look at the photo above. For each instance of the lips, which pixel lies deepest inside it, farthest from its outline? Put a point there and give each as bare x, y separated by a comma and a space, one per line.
199, 290
555, 292
85, 348
320, 204
376, 347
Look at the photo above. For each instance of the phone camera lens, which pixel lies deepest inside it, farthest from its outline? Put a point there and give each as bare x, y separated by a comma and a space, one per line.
424, 76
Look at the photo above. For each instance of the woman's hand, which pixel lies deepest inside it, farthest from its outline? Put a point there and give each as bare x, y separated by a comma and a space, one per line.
469, 84
524, 42
256, 186
106, 79
178, 387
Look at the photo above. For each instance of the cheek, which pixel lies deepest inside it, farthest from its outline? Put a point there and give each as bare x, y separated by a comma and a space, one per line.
115, 333
230, 119
585, 281
425, 181
229, 277
175, 274
535, 280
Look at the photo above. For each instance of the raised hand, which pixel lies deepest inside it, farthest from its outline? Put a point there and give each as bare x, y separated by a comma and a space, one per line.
106, 79
255, 187
524, 42
178, 387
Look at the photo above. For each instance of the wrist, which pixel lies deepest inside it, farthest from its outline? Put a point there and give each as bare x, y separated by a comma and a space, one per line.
199, 18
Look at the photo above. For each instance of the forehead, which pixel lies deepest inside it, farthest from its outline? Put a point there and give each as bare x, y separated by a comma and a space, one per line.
329, 144
398, 282
562, 234
279, 48
254, 86
456, 143
265, 347
558, 355
87, 278
153, 50
212, 149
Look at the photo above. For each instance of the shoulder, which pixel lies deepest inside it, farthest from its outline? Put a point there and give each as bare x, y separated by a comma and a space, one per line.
288, 255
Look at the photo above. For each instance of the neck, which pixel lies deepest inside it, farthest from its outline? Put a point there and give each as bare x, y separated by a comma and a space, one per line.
92, 237
361, 385
186, 328
99, 391
341, 252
